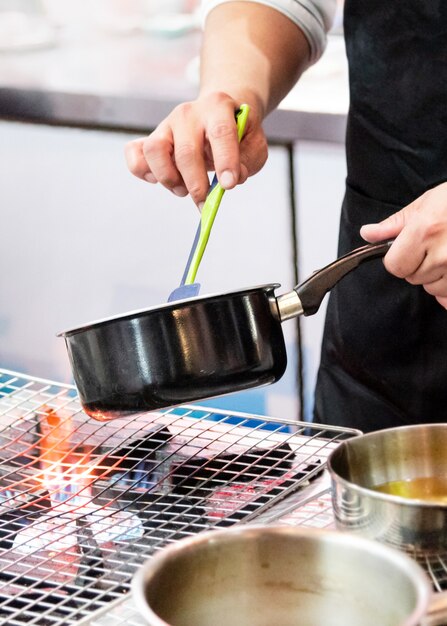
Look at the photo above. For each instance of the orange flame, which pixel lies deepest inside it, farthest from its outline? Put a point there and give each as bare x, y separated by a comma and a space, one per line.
65, 470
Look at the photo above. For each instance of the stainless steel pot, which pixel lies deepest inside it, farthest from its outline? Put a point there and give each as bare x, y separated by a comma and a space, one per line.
260, 575
361, 464
193, 349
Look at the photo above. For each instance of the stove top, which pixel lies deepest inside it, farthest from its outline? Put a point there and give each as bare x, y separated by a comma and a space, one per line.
84, 503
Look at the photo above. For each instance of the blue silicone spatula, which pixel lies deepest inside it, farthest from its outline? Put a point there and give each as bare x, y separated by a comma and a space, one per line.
188, 288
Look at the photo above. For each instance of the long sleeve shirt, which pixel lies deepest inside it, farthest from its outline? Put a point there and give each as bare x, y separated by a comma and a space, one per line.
313, 17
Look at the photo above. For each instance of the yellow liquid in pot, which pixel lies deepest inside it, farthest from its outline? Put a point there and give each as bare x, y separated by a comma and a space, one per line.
431, 489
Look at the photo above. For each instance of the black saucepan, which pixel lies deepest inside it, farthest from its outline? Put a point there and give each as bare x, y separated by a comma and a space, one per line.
193, 349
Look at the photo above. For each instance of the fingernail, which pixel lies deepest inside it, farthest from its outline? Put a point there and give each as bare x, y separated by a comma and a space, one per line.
368, 227
226, 179
180, 191
364, 231
150, 178
200, 206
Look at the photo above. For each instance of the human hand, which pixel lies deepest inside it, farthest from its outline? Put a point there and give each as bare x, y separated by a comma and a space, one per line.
195, 138
419, 252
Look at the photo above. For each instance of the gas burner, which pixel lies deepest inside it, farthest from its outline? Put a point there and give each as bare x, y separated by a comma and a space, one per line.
57, 532
83, 503
82, 555
86, 526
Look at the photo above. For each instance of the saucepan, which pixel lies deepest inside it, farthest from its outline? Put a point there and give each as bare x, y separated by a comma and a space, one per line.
264, 575
391, 486
197, 348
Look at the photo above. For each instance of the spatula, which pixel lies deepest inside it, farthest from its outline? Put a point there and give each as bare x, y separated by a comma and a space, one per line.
188, 288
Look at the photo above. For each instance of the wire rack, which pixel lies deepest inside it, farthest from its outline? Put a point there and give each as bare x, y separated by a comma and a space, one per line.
84, 503
312, 511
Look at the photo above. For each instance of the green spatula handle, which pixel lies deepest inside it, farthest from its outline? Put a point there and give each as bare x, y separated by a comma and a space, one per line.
211, 205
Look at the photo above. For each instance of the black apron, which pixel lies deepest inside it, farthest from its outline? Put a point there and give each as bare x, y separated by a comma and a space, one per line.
384, 352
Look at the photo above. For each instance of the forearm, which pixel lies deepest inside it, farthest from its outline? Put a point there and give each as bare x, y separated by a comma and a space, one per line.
253, 53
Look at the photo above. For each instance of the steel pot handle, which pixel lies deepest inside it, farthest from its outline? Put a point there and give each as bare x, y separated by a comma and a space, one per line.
307, 297
437, 610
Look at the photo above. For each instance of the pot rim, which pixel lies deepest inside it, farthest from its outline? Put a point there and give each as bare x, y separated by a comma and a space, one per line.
408, 566
166, 306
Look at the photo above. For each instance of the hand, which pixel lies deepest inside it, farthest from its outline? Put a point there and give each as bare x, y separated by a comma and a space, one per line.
419, 252
195, 138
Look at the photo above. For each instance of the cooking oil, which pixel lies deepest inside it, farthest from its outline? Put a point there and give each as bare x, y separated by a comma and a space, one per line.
431, 489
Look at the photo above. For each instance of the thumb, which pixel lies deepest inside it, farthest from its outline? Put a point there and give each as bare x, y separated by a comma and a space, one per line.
254, 152
388, 228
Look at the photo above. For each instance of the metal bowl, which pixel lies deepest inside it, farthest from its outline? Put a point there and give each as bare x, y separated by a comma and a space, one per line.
359, 465
259, 576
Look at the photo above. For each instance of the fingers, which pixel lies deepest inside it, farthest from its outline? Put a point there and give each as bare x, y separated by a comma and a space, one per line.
431, 269
221, 132
189, 151
151, 159
442, 301
159, 153
406, 255
437, 288
419, 252
195, 138
387, 229
407, 252
136, 161
253, 152
419, 266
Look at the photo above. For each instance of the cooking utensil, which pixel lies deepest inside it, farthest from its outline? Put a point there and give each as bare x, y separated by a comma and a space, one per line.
260, 575
193, 349
360, 465
188, 288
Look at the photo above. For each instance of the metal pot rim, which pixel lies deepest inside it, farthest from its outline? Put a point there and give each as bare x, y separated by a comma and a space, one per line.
165, 307
150, 567
387, 497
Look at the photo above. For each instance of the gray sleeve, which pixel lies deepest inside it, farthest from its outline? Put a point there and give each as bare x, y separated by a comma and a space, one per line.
314, 17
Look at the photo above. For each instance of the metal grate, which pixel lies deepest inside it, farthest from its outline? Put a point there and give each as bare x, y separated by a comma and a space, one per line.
83, 503
311, 512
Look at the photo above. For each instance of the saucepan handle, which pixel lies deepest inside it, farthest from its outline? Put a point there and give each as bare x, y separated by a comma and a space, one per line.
307, 297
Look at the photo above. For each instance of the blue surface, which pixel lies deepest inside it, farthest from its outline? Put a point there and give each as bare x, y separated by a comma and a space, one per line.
251, 402
248, 422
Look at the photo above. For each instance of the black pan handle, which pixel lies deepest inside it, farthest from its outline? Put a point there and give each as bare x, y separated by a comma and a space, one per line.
312, 291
